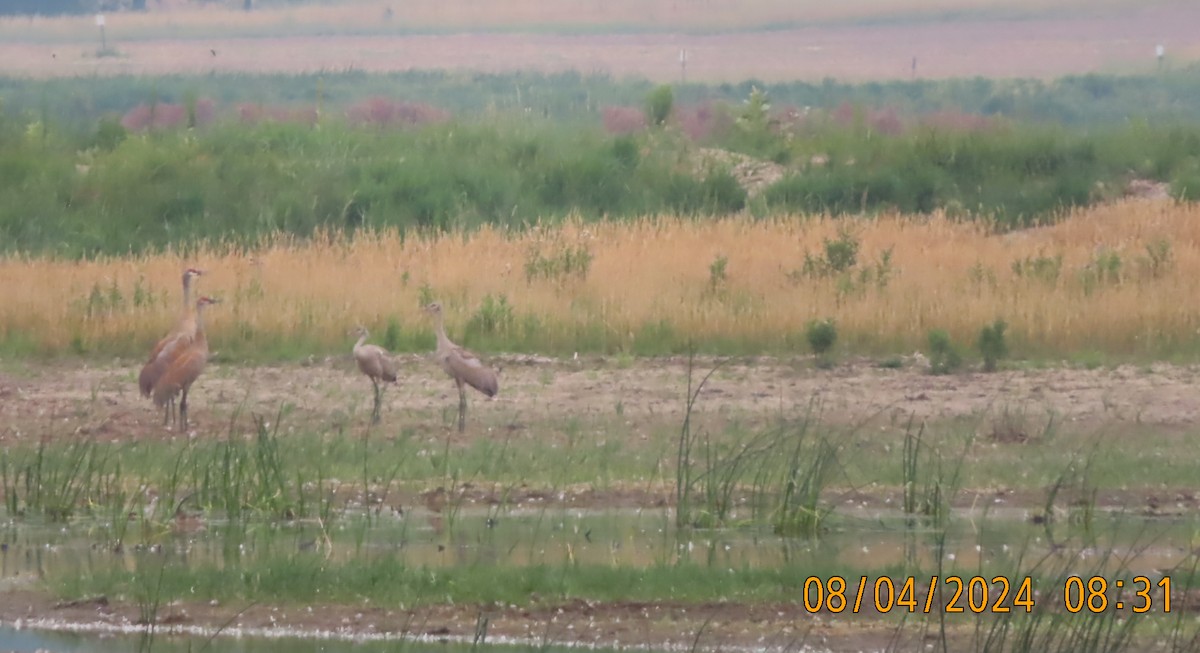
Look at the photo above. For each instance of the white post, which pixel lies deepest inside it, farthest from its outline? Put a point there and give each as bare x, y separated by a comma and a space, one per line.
1160, 52
683, 66
100, 24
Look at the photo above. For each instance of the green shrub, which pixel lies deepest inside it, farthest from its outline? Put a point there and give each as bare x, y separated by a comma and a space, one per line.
821, 336
494, 315
659, 104
943, 355
840, 255
992, 344
109, 133
391, 335
717, 273
721, 193
566, 261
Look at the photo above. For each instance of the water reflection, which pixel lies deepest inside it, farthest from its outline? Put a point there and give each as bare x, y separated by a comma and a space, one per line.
28, 641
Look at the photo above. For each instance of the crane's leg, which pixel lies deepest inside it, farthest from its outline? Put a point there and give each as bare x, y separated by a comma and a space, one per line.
378, 397
183, 412
169, 413
462, 408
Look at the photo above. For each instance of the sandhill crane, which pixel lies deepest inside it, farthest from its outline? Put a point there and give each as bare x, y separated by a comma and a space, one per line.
462, 366
164, 351
377, 364
185, 367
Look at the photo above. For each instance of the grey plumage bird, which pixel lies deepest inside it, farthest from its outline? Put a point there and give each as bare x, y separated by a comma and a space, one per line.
462, 366
377, 364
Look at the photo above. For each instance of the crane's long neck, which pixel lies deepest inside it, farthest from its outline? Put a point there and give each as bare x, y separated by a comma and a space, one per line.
199, 320
443, 340
362, 340
187, 292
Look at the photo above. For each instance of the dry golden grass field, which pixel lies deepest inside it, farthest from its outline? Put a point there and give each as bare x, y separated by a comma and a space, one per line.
1118, 279
726, 40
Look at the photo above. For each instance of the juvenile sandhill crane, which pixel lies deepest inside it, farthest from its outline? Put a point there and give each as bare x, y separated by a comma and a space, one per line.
377, 364
462, 366
164, 351
185, 367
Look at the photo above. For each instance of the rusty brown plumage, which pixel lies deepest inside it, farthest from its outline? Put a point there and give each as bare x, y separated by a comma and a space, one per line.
182, 370
166, 349
461, 365
377, 363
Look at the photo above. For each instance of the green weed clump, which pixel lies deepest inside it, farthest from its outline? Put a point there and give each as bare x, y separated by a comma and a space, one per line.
562, 262
821, 336
718, 273
944, 357
494, 316
659, 104
790, 468
993, 345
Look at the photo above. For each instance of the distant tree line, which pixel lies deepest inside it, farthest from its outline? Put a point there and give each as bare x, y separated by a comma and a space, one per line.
44, 7
60, 7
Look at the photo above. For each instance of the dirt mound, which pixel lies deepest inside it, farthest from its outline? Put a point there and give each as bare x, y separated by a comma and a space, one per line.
1148, 189
752, 174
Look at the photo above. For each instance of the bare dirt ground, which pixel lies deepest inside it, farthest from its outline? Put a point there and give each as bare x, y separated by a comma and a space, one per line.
784, 627
1046, 46
716, 626
64, 399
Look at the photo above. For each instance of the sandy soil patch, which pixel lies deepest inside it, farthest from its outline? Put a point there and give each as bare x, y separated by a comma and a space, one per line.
1043, 47
64, 399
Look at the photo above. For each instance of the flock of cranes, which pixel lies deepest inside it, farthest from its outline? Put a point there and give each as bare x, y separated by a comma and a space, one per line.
180, 357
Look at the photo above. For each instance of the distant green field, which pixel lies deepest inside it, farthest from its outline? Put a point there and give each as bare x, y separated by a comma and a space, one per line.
240, 158
360, 17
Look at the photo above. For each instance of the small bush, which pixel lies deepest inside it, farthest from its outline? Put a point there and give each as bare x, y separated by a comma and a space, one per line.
1158, 257
992, 344
391, 335
722, 192
943, 355
1041, 268
821, 336
717, 273
109, 133
659, 104
566, 262
495, 315
840, 255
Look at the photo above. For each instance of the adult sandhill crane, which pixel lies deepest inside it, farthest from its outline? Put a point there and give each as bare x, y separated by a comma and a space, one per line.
164, 351
462, 366
377, 364
185, 367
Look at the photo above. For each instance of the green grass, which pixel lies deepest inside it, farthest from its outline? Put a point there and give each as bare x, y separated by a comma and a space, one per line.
735, 460
241, 184
307, 578
495, 165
